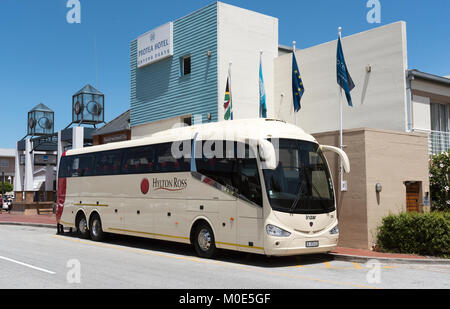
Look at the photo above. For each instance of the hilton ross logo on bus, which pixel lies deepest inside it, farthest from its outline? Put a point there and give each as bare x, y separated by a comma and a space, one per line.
175, 184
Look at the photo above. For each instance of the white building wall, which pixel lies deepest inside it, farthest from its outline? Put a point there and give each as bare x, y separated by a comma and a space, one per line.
28, 184
421, 113
379, 98
18, 172
150, 128
242, 34
77, 137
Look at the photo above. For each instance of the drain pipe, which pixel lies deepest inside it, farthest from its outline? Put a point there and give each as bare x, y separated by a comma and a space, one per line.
409, 78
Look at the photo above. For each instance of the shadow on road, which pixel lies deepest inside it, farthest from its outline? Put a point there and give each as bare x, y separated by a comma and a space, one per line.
229, 256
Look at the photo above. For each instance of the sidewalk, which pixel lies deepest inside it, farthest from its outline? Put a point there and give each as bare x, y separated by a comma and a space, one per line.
340, 253
44, 220
362, 255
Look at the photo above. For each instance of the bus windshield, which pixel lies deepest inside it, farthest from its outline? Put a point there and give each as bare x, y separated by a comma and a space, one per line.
301, 183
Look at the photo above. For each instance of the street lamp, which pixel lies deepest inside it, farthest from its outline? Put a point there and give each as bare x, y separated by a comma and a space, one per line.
3, 183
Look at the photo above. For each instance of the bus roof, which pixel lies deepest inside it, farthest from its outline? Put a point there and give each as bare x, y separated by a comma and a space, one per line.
237, 130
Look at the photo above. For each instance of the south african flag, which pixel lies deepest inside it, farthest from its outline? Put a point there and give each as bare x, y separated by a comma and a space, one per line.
227, 105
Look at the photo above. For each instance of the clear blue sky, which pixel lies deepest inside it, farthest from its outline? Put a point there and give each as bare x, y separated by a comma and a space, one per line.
45, 59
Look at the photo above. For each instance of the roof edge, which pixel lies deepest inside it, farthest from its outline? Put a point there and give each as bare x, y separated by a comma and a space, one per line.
411, 74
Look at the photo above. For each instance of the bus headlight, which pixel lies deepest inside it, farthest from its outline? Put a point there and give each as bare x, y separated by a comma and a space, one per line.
273, 230
335, 230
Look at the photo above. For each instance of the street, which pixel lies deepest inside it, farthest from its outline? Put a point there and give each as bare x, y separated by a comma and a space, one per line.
34, 257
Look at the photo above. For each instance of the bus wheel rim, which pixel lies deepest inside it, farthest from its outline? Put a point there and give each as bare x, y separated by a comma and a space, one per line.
204, 240
95, 227
82, 225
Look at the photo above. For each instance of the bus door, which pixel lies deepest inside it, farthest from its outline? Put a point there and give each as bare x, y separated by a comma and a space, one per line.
217, 203
228, 222
214, 171
249, 204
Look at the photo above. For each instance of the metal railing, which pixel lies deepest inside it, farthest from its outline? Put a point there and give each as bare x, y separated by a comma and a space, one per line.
438, 141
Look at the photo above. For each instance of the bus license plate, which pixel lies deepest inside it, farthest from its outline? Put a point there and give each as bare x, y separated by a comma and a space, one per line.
310, 244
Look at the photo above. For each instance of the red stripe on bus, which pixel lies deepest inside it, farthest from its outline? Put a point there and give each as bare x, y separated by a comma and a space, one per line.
61, 195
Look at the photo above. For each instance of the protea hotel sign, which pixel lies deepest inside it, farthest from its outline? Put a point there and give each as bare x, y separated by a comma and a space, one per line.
155, 45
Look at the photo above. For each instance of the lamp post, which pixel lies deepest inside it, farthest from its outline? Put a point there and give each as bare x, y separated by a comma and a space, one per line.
3, 183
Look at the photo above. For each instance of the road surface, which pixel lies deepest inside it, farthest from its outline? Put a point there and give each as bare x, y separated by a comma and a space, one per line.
33, 257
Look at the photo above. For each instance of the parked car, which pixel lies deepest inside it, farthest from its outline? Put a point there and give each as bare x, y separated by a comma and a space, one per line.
6, 203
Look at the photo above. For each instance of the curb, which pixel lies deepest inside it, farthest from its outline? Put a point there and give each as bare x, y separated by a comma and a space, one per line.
44, 225
365, 259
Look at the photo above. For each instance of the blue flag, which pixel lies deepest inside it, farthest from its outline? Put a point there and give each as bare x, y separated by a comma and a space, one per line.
262, 94
343, 76
297, 84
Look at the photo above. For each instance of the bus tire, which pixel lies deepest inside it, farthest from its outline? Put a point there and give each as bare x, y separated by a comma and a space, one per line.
95, 228
82, 226
204, 242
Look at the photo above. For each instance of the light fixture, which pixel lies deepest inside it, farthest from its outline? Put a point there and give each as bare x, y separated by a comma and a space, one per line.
378, 187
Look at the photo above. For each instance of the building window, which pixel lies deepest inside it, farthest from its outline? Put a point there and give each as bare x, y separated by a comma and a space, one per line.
4, 163
185, 65
187, 121
440, 137
439, 117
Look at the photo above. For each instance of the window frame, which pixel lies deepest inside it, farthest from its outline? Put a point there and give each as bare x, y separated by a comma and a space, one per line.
183, 65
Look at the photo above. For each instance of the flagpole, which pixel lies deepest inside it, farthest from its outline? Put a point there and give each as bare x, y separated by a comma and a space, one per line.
260, 65
341, 127
295, 114
231, 98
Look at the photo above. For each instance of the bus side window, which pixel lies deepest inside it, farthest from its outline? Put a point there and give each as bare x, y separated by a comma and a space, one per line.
86, 165
166, 162
247, 179
65, 167
218, 167
249, 183
139, 160
75, 167
108, 163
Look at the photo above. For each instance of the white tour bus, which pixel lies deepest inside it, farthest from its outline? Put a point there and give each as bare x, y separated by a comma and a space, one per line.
260, 186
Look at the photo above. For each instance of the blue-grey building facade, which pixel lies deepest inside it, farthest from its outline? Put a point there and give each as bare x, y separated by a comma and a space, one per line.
159, 91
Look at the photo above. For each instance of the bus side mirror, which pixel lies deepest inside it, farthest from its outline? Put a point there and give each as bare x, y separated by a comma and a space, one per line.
267, 154
341, 154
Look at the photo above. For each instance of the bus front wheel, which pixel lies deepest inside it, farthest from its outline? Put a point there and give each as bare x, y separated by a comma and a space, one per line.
204, 242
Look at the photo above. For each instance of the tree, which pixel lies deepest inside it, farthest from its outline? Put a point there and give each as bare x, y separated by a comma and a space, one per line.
8, 187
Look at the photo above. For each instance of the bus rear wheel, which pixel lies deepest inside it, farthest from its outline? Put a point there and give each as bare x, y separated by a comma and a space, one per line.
204, 242
95, 228
82, 226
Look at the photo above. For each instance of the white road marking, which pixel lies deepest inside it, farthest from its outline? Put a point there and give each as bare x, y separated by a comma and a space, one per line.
27, 265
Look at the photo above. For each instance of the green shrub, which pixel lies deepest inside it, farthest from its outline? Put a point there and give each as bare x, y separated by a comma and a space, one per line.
8, 187
416, 233
439, 181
